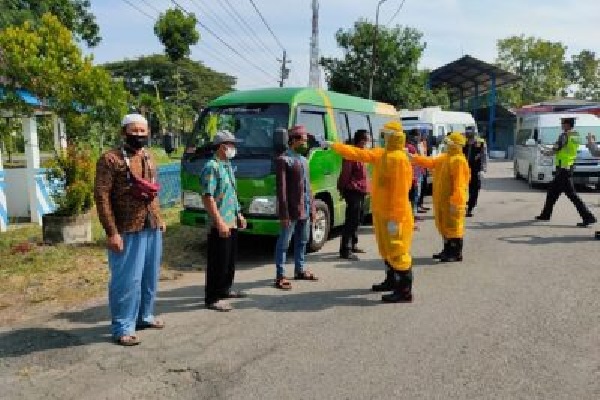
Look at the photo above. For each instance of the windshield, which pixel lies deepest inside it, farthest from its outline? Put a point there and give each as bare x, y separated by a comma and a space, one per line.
253, 124
550, 135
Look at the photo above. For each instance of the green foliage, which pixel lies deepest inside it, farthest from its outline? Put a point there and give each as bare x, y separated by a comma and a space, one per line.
539, 63
75, 170
584, 71
75, 15
177, 32
397, 79
198, 84
44, 59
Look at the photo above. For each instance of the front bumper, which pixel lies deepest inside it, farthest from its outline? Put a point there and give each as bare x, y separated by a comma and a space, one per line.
268, 226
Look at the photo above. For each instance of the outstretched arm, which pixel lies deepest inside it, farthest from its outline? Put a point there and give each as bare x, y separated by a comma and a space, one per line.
354, 153
424, 161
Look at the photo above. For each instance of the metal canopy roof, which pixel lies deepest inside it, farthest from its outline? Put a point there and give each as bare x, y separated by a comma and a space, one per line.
466, 73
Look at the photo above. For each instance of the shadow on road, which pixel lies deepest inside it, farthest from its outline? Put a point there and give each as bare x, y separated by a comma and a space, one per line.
507, 185
515, 224
29, 341
539, 240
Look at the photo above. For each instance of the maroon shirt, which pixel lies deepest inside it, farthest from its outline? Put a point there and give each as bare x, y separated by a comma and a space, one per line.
353, 177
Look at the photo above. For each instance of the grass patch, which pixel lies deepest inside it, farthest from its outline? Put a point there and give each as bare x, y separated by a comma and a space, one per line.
33, 274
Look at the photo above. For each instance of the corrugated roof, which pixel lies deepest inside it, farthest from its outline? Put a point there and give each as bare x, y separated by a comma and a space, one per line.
468, 72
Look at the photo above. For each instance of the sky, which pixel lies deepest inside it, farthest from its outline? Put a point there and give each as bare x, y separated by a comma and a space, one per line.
451, 29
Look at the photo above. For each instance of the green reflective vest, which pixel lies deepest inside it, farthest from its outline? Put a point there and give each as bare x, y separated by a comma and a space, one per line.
565, 157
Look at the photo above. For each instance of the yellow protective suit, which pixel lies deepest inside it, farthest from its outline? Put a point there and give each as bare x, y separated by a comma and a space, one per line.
391, 182
451, 177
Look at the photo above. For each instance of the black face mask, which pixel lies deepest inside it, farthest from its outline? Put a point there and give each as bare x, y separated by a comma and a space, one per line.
136, 142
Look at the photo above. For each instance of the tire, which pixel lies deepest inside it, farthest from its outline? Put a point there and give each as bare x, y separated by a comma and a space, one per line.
319, 232
516, 171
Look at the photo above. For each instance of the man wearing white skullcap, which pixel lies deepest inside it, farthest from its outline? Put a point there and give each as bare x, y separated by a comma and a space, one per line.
126, 194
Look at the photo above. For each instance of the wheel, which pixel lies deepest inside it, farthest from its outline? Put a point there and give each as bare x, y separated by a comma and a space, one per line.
516, 170
321, 226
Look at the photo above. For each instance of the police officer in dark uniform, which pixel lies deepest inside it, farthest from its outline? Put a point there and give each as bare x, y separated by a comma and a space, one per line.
565, 152
476, 155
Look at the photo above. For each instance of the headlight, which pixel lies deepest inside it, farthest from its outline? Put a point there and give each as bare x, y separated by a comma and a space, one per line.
263, 206
192, 200
546, 162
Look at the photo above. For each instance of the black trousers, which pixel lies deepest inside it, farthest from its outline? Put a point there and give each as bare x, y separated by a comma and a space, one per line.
563, 183
354, 211
220, 265
474, 188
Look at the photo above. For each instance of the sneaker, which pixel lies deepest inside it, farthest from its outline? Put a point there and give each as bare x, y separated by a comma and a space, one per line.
220, 305
469, 214
235, 295
350, 257
542, 218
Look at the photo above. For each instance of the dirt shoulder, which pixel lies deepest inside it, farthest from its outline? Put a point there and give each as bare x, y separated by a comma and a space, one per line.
36, 279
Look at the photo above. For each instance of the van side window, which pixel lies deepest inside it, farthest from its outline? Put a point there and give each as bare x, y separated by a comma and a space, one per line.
522, 136
358, 121
341, 122
314, 122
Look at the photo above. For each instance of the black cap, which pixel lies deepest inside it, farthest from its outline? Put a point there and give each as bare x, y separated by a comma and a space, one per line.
568, 120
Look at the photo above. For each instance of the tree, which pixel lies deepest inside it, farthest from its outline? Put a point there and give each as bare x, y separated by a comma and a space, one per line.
44, 59
75, 15
397, 79
539, 63
177, 32
198, 84
584, 71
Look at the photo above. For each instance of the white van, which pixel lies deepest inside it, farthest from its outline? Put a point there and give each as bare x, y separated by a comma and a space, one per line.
443, 122
538, 131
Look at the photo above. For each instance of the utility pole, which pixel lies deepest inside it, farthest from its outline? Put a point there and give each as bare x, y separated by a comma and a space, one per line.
285, 71
374, 49
314, 76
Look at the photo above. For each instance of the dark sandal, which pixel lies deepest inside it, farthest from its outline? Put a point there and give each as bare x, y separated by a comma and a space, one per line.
156, 324
306, 276
127, 340
283, 284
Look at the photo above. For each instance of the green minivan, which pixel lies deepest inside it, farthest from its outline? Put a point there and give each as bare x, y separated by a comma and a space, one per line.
254, 116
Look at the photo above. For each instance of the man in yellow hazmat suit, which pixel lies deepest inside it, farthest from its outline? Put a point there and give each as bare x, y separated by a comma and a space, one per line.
451, 176
392, 212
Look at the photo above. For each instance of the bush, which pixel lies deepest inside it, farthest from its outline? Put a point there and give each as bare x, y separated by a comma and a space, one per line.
71, 175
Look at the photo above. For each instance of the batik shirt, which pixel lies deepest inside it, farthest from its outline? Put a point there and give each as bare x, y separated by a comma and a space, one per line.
218, 181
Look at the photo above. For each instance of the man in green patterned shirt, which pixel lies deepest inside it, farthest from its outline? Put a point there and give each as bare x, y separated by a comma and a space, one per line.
220, 201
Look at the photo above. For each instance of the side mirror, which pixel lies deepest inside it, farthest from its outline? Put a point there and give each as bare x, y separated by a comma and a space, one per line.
530, 142
280, 140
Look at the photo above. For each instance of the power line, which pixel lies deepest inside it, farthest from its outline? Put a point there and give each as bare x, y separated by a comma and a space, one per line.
146, 2
227, 61
397, 11
246, 27
266, 24
207, 29
208, 12
139, 9
215, 53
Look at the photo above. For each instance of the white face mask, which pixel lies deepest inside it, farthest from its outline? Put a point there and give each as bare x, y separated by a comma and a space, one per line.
230, 152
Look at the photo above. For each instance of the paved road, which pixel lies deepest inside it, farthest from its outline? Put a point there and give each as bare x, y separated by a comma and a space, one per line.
518, 319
